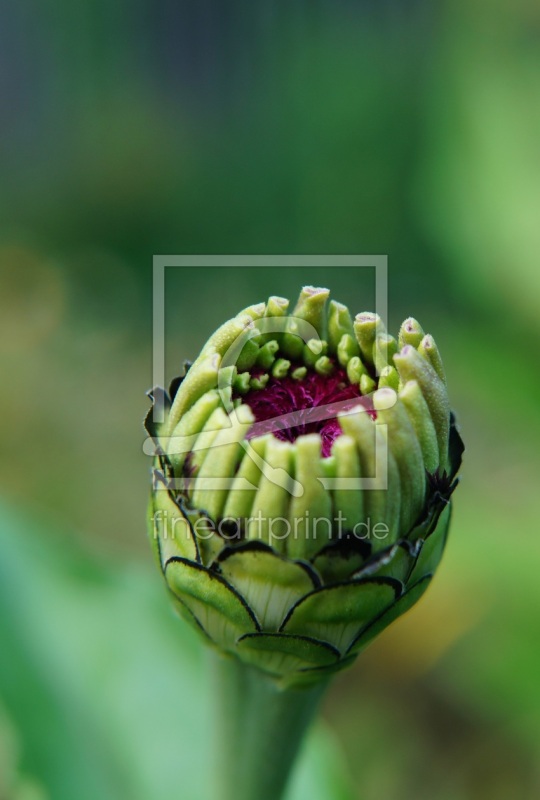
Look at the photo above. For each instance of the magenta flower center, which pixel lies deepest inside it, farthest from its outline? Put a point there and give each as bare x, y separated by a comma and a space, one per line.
289, 408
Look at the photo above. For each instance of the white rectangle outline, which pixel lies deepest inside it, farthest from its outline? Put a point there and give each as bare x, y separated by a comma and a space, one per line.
378, 262
161, 262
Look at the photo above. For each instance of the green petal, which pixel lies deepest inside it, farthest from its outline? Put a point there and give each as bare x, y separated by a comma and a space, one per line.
340, 324
384, 349
347, 349
248, 356
267, 354
190, 425
244, 487
220, 611
220, 463
281, 653
335, 614
418, 411
313, 350
412, 366
406, 450
311, 307
411, 332
430, 351
269, 513
355, 370
270, 584
403, 604
367, 326
389, 378
310, 515
381, 505
348, 501
201, 377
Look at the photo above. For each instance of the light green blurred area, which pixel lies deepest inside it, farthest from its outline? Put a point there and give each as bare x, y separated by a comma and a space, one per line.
132, 130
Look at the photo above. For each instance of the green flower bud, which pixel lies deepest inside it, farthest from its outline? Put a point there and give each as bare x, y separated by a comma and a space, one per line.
302, 483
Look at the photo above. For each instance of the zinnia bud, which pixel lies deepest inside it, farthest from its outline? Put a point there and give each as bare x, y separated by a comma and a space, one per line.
302, 482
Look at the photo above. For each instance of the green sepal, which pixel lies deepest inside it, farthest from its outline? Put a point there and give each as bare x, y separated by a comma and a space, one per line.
456, 447
220, 611
335, 614
169, 530
269, 583
185, 614
396, 562
339, 560
209, 542
152, 530
282, 654
432, 547
307, 677
401, 606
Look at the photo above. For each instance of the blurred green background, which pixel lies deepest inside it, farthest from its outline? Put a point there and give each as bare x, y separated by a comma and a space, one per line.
136, 128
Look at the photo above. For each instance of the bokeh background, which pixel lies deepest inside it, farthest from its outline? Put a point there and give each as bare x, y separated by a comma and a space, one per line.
196, 126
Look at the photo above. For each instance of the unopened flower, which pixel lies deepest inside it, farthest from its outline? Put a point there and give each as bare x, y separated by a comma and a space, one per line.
302, 482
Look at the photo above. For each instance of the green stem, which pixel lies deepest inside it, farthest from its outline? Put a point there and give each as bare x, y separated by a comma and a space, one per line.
260, 729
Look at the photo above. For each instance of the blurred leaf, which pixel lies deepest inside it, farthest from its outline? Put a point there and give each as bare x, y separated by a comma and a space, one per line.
107, 689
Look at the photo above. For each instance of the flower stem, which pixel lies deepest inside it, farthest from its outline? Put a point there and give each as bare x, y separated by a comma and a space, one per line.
260, 729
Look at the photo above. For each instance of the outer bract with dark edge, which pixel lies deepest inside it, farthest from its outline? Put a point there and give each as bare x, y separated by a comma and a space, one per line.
301, 483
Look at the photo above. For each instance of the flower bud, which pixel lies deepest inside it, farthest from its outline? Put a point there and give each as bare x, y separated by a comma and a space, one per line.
302, 483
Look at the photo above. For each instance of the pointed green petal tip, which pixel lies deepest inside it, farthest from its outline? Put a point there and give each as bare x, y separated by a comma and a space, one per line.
410, 333
311, 307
